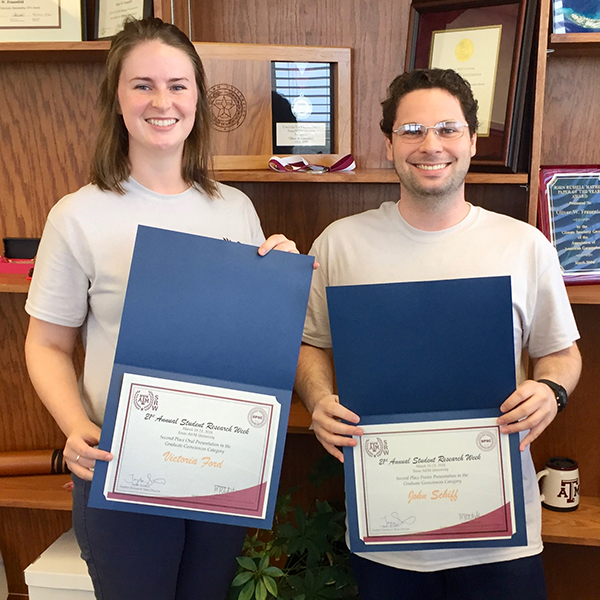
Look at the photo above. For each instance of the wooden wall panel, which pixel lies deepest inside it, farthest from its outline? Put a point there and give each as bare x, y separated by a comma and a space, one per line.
571, 90
24, 422
302, 210
574, 433
572, 572
48, 127
24, 534
376, 32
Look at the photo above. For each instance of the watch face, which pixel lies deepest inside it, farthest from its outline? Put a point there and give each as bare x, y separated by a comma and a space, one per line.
561, 397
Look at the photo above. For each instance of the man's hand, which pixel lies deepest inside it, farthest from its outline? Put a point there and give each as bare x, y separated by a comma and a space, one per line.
531, 406
330, 431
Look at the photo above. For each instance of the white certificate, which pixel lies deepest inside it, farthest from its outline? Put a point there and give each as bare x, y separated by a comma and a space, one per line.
40, 20
192, 446
473, 53
112, 14
435, 481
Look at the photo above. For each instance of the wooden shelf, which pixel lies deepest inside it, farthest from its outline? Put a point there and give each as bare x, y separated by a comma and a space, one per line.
357, 176
300, 419
36, 491
575, 44
53, 51
15, 283
47, 492
580, 527
584, 294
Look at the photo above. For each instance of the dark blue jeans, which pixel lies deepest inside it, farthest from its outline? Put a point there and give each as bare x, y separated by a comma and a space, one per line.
521, 579
145, 557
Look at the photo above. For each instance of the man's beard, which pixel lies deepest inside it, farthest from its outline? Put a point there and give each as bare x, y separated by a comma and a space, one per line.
434, 196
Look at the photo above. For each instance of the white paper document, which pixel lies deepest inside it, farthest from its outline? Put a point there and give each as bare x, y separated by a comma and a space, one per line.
192, 446
434, 481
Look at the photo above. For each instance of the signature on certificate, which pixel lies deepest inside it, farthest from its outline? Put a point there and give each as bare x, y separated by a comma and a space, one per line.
144, 482
393, 520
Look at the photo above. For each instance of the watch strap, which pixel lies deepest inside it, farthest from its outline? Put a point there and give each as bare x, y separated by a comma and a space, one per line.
559, 393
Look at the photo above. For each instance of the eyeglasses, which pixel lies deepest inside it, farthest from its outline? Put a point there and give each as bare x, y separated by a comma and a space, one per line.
415, 133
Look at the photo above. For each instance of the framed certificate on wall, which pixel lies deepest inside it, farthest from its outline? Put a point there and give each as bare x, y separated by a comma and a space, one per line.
110, 15
489, 44
40, 21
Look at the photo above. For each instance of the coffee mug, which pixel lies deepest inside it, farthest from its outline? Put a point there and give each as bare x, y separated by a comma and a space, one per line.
560, 484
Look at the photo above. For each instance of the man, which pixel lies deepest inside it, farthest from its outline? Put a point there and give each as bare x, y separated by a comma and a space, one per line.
432, 233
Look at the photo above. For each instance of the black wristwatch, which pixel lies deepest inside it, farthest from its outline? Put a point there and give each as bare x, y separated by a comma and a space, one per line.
559, 393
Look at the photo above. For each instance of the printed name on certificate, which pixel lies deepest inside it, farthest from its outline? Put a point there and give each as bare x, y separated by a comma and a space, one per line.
434, 481
192, 446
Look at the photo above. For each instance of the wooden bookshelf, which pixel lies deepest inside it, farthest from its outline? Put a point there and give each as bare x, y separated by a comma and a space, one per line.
356, 176
15, 283
300, 419
44, 52
580, 527
584, 294
574, 44
36, 491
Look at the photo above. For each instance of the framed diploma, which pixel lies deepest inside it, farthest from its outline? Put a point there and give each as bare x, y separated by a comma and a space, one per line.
569, 216
575, 16
489, 44
110, 14
40, 21
435, 480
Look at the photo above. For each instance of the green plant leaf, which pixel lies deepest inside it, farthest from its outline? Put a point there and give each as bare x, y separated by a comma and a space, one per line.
261, 590
247, 591
273, 572
270, 584
241, 578
264, 563
246, 563
300, 517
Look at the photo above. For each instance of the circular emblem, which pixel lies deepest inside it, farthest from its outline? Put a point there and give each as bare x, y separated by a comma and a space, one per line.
302, 108
464, 50
227, 107
145, 400
486, 440
257, 417
374, 447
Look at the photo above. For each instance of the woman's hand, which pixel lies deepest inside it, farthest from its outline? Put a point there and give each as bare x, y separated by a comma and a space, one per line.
80, 454
278, 241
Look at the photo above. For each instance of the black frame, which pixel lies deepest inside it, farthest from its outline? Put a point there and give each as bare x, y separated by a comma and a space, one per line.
506, 149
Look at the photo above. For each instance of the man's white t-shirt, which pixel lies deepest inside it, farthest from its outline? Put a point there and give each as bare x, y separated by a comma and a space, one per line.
379, 246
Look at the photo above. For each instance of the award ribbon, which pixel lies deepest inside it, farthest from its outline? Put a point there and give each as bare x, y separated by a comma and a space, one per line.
298, 164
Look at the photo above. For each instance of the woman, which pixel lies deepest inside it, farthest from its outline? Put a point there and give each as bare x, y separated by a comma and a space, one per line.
151, 168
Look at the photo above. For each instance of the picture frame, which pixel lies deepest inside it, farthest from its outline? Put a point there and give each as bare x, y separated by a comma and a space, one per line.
575, 16
240, 93
489, 43
569, 216
108, 16
41, 21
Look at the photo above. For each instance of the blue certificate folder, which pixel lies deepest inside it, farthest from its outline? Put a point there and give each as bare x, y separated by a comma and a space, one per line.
425, 347
213, 312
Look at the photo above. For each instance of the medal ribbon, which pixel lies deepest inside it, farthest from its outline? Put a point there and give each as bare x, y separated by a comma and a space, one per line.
287, 164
